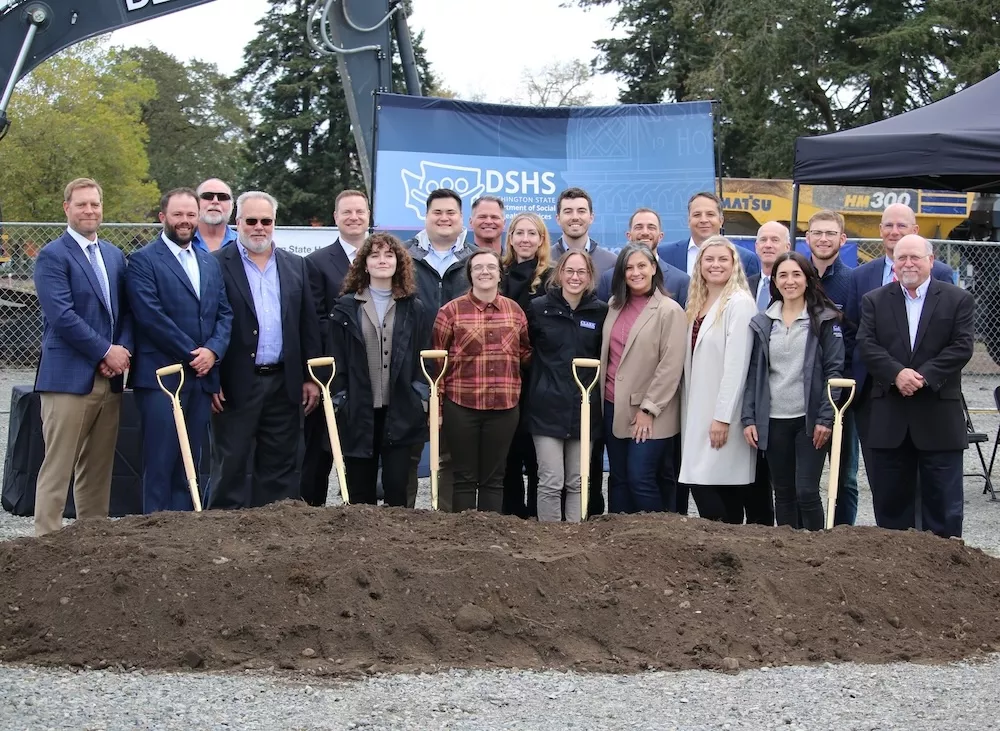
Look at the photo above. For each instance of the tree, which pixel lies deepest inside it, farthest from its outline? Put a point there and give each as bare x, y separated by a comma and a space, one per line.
558, 84
77, 115
301, 148
197, 121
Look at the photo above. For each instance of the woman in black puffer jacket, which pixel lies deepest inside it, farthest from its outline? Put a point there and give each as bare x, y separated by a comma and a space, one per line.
564, 324
527, 264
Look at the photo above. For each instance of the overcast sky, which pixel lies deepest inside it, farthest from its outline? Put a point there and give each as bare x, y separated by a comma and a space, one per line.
474, 46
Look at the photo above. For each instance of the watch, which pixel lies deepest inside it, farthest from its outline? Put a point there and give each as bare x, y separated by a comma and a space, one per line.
647, 412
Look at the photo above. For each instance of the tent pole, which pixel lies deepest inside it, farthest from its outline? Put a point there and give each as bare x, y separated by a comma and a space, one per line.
793, 222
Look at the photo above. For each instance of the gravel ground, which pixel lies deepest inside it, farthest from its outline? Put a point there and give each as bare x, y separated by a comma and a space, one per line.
842, 697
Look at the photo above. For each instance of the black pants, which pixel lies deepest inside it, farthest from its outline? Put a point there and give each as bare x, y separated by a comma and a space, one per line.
479, 441
666, 475
362, 472
267, 423
723, 503
682, 497
318, 460
521, 462
796, 467
758, 499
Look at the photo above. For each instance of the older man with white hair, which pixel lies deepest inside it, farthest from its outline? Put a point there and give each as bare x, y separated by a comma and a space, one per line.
916, 335
215, 206
265, 385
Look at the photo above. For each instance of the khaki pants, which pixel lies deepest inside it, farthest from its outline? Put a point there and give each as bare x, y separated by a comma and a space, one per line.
80, 434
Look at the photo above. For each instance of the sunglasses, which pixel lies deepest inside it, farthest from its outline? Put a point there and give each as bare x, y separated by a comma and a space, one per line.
253, 221
215, 196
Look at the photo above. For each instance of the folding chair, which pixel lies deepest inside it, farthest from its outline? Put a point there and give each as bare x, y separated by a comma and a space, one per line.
977, 438
996, 442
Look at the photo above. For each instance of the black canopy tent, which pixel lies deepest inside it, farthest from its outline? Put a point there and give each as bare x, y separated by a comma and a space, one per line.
952, 144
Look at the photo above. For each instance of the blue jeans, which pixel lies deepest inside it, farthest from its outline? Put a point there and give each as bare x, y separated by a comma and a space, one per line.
632, 479
847, 491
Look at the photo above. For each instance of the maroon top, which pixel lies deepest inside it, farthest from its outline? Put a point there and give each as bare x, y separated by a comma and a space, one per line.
694, 331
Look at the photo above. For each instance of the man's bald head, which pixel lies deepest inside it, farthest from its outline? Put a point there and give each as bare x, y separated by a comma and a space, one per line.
773, 240
898, 221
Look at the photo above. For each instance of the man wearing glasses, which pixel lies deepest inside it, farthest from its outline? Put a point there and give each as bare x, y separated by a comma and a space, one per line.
215, 206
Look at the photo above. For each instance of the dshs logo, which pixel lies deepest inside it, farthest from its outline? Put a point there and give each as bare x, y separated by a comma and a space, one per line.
131, 5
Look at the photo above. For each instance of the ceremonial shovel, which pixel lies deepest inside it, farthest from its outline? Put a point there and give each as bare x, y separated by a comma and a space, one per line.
182, 434
585, 427
331, 421
433, 411
835, 445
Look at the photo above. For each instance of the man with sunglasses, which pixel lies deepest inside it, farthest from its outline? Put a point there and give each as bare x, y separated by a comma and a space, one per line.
215, 206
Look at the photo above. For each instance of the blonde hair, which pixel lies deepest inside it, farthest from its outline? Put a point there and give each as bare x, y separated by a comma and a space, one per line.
698, 289
557, 276
544, 253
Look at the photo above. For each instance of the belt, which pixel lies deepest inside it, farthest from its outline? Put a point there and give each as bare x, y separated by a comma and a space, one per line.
269, 369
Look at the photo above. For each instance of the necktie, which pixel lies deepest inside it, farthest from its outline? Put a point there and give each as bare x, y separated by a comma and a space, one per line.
101, 277
764, 295
188, 261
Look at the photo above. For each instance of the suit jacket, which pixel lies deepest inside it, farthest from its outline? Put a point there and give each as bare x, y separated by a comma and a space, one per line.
675, 253
170, 320
650, 369
327, 268
864, 279
934, 415
675, 281
77, 328
300, 334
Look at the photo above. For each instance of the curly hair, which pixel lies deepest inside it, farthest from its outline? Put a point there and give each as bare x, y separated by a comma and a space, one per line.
544, 253
403, 280
698, 290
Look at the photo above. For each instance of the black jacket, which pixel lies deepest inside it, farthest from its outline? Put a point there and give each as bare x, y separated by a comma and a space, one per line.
516, 283
327, 269
559, 334
300, 327
434, 290
406, 420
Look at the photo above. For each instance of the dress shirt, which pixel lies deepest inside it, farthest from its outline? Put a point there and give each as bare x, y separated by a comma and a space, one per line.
887, 273
763, 292
440, 260
692, 253
266, 292
915, 306
188, 262
102, 272
487, 343
351, 251
227, 238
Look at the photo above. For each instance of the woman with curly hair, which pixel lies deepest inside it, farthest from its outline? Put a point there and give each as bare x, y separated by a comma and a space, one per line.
527, 267
716, 463
797, 347
378, 328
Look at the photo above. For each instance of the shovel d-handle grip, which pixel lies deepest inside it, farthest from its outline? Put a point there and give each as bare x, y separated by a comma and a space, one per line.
322, 362
170, 370
426, 355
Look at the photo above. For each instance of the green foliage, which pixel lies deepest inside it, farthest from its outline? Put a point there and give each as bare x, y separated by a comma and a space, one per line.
785, 68
77, 115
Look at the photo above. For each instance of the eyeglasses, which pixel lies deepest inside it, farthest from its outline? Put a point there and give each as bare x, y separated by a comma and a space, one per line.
253, 221
904, 258
208, 196
485, 268
826, 234
579, 273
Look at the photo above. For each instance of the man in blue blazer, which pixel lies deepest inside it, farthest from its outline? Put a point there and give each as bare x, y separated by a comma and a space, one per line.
704, 220
182, 315
86, 347
898, 221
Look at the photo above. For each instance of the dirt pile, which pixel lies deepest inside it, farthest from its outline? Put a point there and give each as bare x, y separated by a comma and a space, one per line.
360, 589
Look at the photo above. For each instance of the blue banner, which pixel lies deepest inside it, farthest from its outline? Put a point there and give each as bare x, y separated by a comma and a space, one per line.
625, 157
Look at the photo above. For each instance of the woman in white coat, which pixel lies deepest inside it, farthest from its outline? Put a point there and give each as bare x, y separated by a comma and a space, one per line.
717, 464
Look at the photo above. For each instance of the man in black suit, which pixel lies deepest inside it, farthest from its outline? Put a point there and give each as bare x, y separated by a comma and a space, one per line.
327, 268
915, 337
264, 380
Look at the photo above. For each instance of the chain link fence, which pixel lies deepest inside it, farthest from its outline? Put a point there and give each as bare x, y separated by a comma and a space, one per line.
976, 264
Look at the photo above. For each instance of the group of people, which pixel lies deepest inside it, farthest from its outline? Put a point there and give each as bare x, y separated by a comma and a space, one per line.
713, 378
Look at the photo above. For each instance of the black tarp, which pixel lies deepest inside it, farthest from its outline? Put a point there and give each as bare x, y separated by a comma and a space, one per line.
952, 144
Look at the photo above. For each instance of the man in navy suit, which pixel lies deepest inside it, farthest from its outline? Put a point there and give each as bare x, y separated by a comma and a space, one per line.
182, 315
86, 347
898, 221
704, 220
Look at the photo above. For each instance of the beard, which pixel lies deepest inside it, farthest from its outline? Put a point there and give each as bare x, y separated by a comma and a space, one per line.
213, 218
250, 245
178, 237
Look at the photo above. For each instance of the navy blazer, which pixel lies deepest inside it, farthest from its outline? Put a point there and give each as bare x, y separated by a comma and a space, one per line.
170, 321
675, 281
300, 325
675, 253
866, 278
77, 330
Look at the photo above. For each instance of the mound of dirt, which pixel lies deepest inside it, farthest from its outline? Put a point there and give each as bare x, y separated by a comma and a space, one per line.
348, 590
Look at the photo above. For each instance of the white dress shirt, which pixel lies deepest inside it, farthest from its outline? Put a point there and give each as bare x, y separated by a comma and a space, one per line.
188, 262
915, 306
351, 251
692, 253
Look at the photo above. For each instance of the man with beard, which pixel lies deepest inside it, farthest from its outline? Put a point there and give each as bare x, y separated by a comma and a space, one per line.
488, 224
265, 384
644, 228
181, 315
327, 268
215, 202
